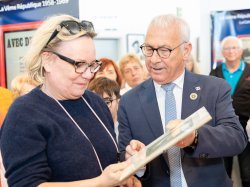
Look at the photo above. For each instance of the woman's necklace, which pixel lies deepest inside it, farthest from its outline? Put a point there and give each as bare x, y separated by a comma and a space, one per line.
76, 124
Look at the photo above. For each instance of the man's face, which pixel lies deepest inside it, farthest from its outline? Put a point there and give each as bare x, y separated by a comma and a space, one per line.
231, 51
165, 70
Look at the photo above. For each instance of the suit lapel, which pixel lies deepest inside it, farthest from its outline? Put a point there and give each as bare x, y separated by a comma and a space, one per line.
147, 97
191, 94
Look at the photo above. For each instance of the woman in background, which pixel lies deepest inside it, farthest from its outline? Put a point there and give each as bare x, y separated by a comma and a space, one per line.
22, 84
132, 71
110, 70
109, 90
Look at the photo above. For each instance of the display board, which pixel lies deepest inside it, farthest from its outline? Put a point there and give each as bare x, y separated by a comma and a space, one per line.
18, 20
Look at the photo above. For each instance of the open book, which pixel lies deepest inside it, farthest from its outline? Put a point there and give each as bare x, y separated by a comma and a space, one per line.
165, 141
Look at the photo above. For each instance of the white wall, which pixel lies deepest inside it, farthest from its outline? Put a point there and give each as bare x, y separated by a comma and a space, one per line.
116, 19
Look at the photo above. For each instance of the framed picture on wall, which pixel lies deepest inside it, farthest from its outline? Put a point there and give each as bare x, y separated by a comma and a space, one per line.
134, 41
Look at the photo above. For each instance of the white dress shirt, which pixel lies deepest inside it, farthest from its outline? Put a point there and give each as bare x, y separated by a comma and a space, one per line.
160, 95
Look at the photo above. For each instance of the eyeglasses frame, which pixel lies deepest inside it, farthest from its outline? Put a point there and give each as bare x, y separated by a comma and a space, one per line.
110, 100
73, 62
156, 49
63, 24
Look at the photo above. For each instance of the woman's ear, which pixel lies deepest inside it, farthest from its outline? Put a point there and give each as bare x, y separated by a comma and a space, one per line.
46, 61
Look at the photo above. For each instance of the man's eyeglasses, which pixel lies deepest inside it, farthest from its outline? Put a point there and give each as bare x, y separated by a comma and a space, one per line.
109, 100
80, 67
163, 52
234, 48
73, 27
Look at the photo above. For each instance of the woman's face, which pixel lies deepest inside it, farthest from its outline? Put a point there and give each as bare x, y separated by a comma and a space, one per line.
113, 104
133, 74
108, 72
61, 80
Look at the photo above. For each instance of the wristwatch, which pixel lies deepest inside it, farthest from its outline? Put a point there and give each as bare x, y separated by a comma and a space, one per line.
195, 142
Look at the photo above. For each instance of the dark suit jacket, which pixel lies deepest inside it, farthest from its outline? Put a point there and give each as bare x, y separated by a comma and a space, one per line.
241, 96
139, 118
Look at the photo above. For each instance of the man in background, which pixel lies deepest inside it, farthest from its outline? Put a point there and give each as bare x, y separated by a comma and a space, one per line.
237, 73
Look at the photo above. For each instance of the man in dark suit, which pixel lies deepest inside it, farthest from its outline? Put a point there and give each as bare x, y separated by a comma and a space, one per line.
142, 116
237, 73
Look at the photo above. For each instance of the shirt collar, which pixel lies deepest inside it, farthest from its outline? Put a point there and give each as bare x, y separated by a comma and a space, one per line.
178, 82
240, 68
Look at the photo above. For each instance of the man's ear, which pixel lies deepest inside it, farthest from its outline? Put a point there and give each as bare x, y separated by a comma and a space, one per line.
187, 50
46, 61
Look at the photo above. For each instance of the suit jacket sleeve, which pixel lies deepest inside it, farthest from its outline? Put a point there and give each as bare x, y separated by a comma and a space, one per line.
224, 135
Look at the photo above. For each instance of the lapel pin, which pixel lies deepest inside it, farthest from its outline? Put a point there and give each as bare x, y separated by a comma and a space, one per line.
197, 88
193, 96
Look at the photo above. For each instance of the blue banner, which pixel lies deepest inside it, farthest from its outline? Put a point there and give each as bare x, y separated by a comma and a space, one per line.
225, 23
21, 11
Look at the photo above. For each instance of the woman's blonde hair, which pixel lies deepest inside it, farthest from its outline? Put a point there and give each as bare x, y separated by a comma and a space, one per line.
128, 58
33, 59
19, 85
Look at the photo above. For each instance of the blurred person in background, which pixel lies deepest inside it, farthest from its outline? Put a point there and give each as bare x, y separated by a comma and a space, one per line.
6, 98
248, 129
22, 84
61, 134
110, 70
192, 65
237, 73
132, 71
109, 90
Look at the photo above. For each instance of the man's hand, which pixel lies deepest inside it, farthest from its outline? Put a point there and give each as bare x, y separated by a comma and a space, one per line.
133, 147
186, 141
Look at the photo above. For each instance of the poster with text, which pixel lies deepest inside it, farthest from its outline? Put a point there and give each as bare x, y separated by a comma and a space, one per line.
18, 21
16, 42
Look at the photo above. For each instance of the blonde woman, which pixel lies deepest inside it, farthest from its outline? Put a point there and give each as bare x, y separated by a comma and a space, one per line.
132, 71
61, 134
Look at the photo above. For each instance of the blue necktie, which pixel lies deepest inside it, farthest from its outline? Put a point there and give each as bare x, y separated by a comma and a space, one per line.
174, 155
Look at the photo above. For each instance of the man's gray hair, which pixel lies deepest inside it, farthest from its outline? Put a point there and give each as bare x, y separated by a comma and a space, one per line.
231, 38
170, 20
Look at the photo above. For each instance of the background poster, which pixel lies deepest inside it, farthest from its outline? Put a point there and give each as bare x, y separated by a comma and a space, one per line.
18, 21
16, 42
225, 23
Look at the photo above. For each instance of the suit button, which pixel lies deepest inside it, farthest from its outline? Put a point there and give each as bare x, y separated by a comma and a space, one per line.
203, 155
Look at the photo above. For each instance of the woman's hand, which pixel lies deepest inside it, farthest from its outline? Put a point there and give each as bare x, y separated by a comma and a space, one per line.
111, 175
